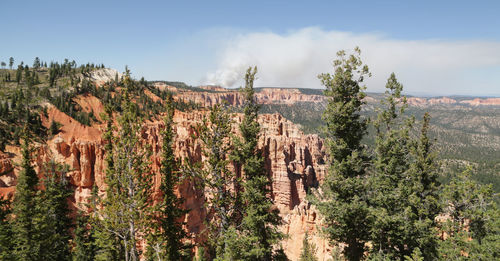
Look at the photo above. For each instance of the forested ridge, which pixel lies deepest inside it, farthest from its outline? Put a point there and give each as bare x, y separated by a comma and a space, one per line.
381, 200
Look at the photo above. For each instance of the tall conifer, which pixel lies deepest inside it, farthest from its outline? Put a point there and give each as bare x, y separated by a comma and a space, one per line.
217, 179
343, 196
123, 210
391, 163
423, 195
259, 234
6, 245
24, 209
85, 248
404, 183
167, 235
53, 222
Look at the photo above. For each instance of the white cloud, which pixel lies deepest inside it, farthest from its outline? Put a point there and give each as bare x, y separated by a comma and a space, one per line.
296, 58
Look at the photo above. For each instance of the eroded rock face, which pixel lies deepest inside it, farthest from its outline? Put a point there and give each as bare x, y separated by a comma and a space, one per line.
215, 95
304, 219
7, 177
294, 162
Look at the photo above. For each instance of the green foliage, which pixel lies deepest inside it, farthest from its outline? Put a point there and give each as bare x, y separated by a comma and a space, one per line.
258, 233
165, 240
343, 201
472, 223
52, 221
124, 210
201, 256
24, 209
20, 117
394, 207
65, 103
308, 250
415, 256
404, 188
6, 244
19, 74
216, 179
85, 248
54, 127
36, 63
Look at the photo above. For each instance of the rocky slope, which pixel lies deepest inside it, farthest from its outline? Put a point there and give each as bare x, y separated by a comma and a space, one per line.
294, 162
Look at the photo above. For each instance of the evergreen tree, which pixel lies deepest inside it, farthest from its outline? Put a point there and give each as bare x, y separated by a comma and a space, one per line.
308, 250
123, 210
3, 64
423, 196
472, 226
19, 73
54, 127
52, 222
85, 248
24, 209
166, 239
343, 196
404, 186
36, 63
415, 256
258, 231
11, 62
217, 180
388, 183
6, 245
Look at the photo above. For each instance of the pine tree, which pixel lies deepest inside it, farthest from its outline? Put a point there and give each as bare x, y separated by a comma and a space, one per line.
123, 210
388, 182
343, 196
404, 187
166, 238
258, 232
54, 127
415, 256
36, 63
472, 226
19, 73
52, 221
423, 196
217, 180
308, 250
24, 209
85, 248
6, 245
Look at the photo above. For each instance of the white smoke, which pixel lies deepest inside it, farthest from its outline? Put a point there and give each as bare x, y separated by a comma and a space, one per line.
296, 58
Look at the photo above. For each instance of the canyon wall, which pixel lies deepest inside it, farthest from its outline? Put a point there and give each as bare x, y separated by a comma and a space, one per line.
295, 163
210, 95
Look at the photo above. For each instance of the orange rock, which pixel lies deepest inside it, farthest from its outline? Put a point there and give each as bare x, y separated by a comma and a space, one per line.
294, 162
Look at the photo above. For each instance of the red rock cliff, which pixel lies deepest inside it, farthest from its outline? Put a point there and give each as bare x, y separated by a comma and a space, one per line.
294, 162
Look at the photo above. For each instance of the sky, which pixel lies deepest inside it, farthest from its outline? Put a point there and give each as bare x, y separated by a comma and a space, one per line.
434, 47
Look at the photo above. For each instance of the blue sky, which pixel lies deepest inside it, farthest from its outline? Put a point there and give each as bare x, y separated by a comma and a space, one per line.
440, 47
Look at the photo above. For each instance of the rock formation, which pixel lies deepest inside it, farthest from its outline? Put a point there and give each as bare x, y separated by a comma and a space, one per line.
294, 161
